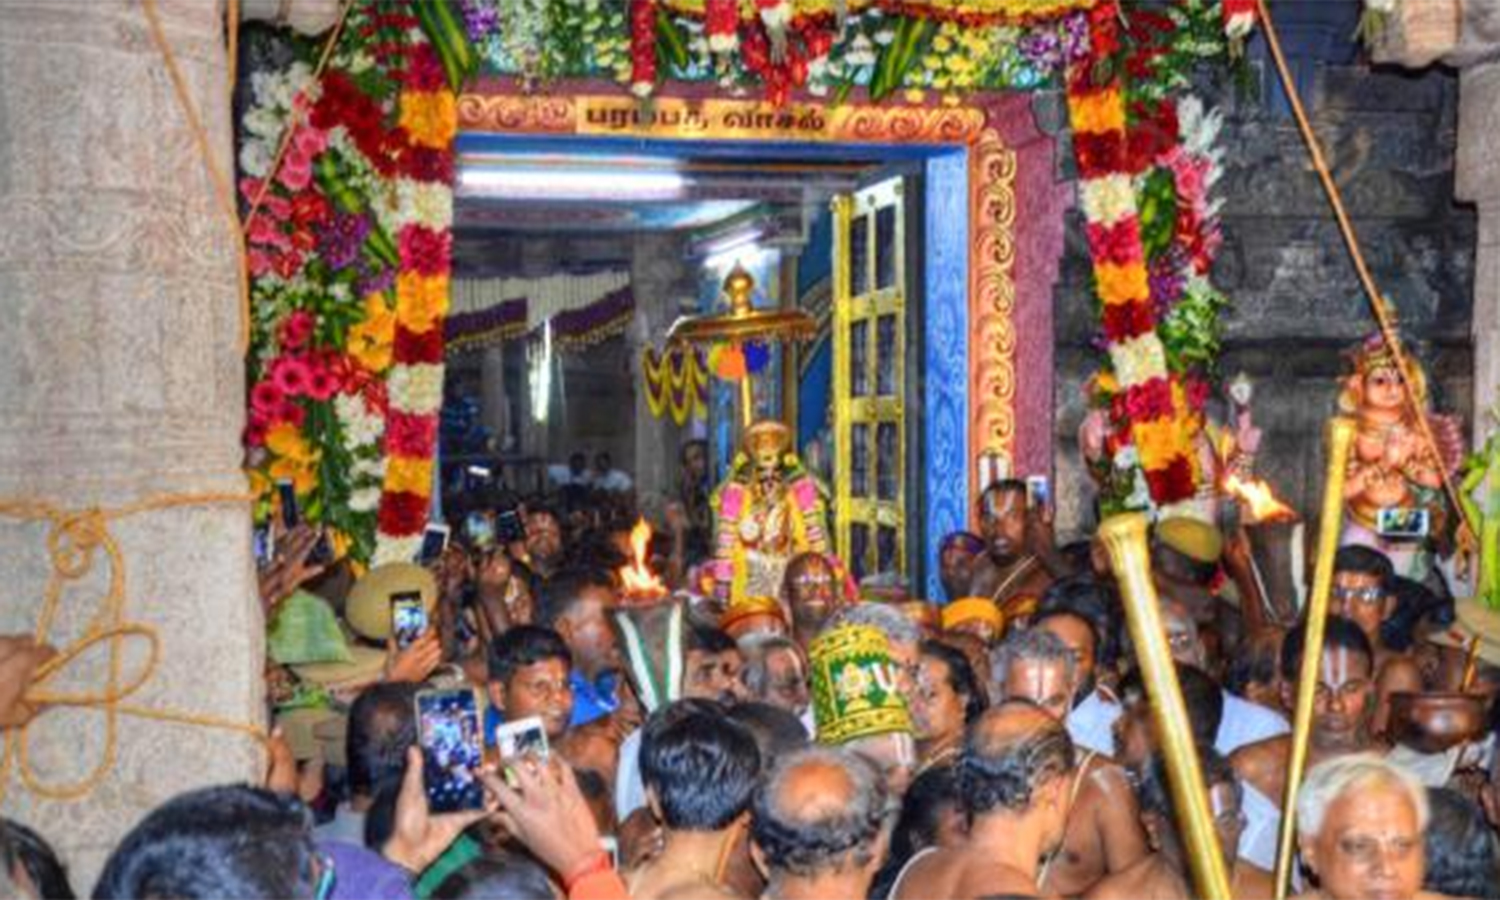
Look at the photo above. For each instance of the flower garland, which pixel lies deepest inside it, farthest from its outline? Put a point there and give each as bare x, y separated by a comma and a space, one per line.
1146, 173
349, 255
428, 113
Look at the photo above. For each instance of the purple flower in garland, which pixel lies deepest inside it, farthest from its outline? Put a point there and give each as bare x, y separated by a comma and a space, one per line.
1042, 48
1075, 37
481, 19
342, 238
1167, 276
375, 281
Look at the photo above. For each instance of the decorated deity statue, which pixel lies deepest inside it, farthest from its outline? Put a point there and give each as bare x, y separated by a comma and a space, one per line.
1394, 489
767, 511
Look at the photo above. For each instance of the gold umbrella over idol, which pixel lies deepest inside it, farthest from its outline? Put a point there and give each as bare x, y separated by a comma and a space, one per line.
769, 508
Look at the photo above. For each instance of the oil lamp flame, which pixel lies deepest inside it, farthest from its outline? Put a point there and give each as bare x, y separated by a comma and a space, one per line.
1259, 500
639, 581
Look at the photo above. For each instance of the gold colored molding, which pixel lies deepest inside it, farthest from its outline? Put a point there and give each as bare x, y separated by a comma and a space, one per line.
992, 300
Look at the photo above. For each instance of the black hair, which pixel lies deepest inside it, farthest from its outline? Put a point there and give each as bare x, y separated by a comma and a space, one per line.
708, 639
1415, 602
804, 837
930, 796
702, 769
1338, 632
566, 588
1201, 695
1357, 559
1256, 662
233, 841
501, 876
1153, 789
1005, 772
961, 677
1083, 597
382, 725
24, 849
777, 731
522, 646
1461, 851
380, 818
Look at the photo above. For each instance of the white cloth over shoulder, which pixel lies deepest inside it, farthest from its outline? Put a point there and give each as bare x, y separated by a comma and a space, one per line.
630, 791
1245, 723
1091, 724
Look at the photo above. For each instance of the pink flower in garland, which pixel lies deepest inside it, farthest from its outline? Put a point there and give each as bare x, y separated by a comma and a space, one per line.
292, 412
322, 384
291, 375
296, 329
411, 435
426, 251
265, 397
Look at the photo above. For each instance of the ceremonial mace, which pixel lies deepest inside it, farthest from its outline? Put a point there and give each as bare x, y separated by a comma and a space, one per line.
1340, 437
1124, 537
742, 323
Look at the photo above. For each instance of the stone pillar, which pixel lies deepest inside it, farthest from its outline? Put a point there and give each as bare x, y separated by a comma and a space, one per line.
659, 277
122, 380
493, 406
1466, 34
1478, 180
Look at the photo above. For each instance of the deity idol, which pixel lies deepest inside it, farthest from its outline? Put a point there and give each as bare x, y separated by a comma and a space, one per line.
767, 511
1393, 494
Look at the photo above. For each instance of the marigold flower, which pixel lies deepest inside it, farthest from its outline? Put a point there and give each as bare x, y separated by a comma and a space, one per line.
429, 117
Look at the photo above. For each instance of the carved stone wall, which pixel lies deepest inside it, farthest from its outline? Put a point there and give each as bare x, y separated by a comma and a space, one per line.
1390, 138
122, 380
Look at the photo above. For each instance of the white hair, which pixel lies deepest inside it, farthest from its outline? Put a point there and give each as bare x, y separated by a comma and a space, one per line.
896, 627
1328, 781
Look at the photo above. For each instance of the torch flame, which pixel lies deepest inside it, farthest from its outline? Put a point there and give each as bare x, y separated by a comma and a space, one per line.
639, 581
1258, 498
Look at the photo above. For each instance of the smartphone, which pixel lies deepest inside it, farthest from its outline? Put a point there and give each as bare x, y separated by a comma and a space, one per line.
1402, 522
522, 739
1038, 491
265, 548
509, 527
291, 514
452, 749
408, 618
483, 473
479, 528
434, 542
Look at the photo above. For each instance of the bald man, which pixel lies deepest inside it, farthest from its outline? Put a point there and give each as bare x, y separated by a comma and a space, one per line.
820, 824
1014, 781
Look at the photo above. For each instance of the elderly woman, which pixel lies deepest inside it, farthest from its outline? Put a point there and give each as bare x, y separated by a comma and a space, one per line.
1359, 827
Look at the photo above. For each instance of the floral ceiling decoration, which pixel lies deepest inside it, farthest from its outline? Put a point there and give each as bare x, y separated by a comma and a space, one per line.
347, 174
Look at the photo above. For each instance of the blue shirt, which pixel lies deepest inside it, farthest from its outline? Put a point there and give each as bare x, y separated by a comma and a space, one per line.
593, 701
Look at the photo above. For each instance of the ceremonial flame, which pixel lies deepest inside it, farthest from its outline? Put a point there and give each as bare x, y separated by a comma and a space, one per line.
1259, 500
639, 581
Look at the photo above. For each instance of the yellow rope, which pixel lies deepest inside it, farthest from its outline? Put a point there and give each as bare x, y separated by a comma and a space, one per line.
72, 542
223, 190
1383, 316
295, 119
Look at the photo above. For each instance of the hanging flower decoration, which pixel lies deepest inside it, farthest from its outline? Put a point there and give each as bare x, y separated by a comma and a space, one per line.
1147, 164
349, 254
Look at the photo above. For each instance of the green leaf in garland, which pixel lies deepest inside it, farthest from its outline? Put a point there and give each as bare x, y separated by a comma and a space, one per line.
449, 39
670, 44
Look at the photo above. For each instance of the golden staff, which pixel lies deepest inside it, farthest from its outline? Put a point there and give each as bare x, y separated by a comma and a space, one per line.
1124, 537
1340, 436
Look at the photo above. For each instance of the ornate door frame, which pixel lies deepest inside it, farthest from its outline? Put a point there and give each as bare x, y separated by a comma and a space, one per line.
987, 330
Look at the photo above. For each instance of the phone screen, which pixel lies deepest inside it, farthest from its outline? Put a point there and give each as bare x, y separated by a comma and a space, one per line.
452, 749
480, 530
434, 542
408, 618
290, 514
524, 738
509, 526
1038, 491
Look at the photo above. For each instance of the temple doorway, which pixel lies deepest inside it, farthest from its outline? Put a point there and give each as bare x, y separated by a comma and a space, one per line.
569, 268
